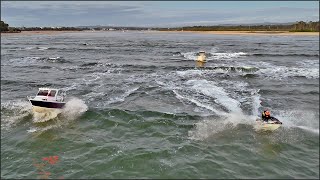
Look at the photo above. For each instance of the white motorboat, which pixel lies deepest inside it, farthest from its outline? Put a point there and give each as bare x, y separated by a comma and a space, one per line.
47, 99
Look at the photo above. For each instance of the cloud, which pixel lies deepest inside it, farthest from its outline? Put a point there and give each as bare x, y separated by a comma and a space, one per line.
135, 13
67, 13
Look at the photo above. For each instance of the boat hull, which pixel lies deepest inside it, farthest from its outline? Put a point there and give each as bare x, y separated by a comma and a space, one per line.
39, 109
47, 104
264, 126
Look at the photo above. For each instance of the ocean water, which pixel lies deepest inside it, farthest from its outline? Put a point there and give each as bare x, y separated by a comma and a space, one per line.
138, 106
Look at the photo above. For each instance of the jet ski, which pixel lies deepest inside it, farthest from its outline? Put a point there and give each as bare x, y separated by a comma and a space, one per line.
271, 125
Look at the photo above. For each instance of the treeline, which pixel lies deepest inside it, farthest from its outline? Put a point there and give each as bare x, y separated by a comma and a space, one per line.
300, 26
310, 26
4, 27
50, 29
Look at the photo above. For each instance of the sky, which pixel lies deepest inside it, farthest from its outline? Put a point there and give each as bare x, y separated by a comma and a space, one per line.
154, 13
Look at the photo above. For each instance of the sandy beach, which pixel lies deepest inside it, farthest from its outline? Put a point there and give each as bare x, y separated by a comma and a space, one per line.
284, 33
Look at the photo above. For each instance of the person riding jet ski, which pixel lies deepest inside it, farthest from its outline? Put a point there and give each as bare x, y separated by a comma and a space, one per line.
266, 117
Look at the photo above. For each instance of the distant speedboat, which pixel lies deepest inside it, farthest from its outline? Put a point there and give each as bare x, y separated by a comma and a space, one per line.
47, 99
202, 57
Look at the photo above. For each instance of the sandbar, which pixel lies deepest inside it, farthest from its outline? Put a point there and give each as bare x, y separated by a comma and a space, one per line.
283, 33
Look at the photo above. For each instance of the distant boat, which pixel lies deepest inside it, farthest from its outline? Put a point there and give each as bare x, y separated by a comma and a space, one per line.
47, 99
202, 57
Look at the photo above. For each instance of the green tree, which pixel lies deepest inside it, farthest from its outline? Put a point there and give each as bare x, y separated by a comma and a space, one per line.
4, 26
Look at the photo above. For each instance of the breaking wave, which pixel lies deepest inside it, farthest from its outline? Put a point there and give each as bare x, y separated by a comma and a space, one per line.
287, 54
212, 55
303, 119
26, 61
280, 72
122, 97
12, 112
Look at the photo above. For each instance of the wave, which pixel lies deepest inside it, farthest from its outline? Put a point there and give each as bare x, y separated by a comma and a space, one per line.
293, 120
303, 119
91, 64
209, 127
122, 97
309, 129
228, 123
281, 72
256, 102
212, 55
220, 69
309, 63
198, 103
26, 61
74, 108
40, 48
189, 72
152, 68
12, 112
235, 69
210, 89
45, 115
288, 54
220, 56
207, 95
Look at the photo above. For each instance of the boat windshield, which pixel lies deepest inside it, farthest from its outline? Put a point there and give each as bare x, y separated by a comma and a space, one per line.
42, 93
52, 93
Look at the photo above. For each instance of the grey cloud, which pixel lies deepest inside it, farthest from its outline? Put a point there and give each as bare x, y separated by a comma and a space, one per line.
72, 13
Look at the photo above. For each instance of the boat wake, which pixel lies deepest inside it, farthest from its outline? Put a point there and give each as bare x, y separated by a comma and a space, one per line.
301, 119
15, 112
45, 115
73, 109
209, 127
212, 55
234, 115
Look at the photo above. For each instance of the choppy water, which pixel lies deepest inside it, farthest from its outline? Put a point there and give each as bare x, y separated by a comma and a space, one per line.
140, 108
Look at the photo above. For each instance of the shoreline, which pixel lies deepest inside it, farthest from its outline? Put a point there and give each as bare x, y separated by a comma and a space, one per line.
255, 33
282, 33
37, 32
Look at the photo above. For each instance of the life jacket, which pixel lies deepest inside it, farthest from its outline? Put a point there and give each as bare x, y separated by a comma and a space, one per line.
266, 114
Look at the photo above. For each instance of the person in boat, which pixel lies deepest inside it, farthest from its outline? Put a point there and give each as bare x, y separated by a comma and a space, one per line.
266, 117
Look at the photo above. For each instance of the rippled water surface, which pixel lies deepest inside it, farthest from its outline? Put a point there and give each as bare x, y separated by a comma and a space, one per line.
140, 107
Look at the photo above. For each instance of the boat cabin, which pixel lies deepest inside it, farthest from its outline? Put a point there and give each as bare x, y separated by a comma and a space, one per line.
49, 94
